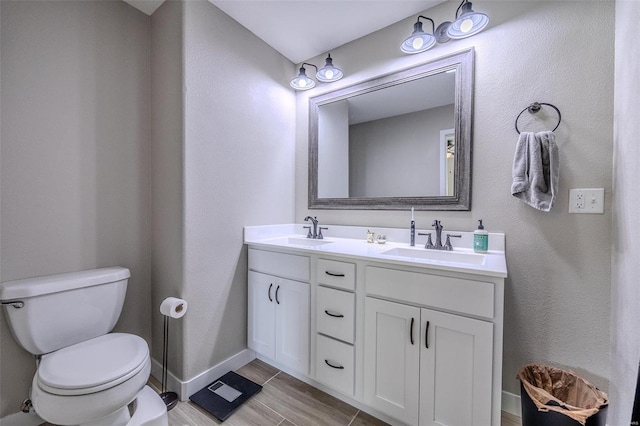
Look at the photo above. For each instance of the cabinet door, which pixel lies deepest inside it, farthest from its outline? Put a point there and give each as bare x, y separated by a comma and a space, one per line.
391, 359
261, 313
455, 370
292, 324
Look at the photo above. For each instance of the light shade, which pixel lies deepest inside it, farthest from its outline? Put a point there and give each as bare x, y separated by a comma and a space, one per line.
418, 41
302, 81
329, 72
468, 24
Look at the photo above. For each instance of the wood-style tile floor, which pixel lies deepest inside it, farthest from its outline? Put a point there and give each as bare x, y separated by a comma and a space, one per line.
285, 401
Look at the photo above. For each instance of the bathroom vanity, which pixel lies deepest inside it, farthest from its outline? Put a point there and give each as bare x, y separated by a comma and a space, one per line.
406, 333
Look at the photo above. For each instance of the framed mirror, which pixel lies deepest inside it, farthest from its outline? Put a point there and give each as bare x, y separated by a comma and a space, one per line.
394, 142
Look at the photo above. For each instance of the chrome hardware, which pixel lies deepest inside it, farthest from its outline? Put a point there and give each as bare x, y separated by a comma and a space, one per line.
26, 405
308, 233
314, 221
16, 304
438, 227
320, 232
429, 244
447, 245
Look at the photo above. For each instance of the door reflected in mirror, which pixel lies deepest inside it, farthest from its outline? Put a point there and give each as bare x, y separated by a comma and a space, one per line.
395, 142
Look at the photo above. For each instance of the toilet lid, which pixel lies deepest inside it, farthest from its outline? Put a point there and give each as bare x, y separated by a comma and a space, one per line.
93, 365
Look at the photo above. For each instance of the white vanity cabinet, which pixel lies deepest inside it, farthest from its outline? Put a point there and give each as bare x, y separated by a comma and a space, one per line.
278, 308
335, 303
453, 353
413, 342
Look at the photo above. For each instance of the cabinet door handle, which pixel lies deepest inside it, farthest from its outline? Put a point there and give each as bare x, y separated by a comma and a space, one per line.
333, 274
426, 336
411, 333
277, 290
333, 315
269, 293
337, 367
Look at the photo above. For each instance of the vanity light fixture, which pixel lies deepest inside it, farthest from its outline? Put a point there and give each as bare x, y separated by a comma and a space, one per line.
327, 74
467, 23
419, 41
302, 81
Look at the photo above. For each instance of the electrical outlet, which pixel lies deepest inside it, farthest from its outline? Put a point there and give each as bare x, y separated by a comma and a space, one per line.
586, 200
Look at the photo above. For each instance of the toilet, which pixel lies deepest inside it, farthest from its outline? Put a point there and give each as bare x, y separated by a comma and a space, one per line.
85, 374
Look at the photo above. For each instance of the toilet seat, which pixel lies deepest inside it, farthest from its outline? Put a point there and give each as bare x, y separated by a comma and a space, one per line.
93, 366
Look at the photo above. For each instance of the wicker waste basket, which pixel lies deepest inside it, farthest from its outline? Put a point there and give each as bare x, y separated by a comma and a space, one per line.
554, 397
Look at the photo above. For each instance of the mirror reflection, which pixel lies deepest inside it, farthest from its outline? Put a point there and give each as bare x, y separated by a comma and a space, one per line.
399, 141
378, 136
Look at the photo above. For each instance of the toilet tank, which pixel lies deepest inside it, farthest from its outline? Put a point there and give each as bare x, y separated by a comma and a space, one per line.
52, 312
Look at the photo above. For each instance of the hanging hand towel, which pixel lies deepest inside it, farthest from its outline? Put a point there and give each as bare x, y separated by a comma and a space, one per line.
536, 170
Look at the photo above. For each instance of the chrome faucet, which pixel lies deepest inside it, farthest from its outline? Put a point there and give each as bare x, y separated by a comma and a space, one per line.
438, 226
438, 245
314, 221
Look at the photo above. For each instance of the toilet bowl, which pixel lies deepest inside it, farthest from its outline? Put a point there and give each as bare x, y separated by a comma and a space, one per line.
86, 375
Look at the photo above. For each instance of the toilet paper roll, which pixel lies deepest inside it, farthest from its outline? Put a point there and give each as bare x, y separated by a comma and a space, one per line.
173, 307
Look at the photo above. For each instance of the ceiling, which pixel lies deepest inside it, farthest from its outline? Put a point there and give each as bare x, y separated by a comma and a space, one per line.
303, 29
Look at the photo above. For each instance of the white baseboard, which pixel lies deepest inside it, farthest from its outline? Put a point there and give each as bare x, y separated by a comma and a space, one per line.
21, 419
187, 388
511, 403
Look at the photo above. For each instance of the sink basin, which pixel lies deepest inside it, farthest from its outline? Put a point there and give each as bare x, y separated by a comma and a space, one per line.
302, 241
442, 256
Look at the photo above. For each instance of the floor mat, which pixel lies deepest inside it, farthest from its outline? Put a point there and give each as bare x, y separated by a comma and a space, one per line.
224, 395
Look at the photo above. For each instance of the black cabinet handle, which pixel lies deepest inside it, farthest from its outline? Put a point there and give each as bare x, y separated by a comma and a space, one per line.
333, 274
411, 333
339, 367
269, 293
426, 336
277, 290
333, 315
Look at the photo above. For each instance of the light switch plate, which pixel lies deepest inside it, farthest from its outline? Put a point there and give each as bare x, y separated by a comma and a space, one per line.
586, 200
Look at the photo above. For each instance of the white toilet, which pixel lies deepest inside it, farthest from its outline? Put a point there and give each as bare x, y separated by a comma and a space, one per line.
85, 375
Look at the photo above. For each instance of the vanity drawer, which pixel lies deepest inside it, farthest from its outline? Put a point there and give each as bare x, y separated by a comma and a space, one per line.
335, 364
335, 313
455, 294
279, 264
337, 274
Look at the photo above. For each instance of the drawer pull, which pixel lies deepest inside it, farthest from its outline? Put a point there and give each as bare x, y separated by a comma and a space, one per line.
333, 274
333, 315
338, 367
411, 333
426, 336
269, 293
277, 290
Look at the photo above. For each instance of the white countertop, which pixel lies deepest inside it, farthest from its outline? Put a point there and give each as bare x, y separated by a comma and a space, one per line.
350, 241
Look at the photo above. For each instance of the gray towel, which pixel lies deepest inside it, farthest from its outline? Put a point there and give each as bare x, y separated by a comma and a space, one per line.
536, 170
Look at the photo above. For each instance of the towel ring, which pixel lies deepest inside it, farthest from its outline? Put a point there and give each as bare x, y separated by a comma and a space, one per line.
534, 108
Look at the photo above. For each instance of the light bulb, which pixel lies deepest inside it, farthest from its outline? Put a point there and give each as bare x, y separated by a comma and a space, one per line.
302, 82
417, 43
329, 74
466, 25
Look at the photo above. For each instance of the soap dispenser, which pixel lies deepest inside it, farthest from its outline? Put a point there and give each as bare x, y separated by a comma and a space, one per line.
480, 239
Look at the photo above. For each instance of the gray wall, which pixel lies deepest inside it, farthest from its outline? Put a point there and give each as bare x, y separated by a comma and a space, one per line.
167, 170
238, 170
625, 291
75, 155
557, 302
